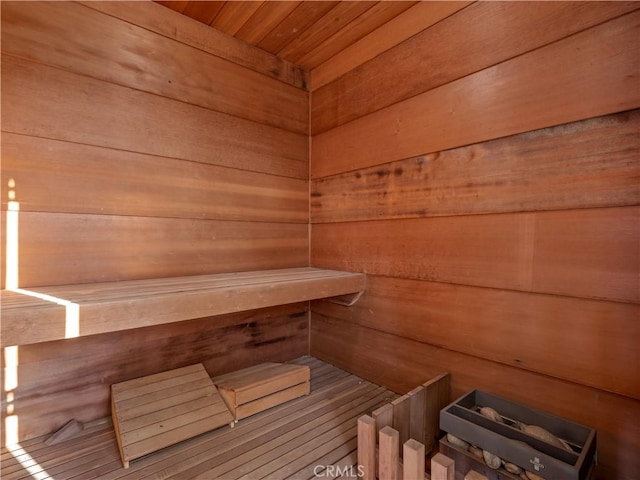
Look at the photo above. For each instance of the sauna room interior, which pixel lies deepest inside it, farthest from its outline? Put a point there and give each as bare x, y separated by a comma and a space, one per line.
381, 191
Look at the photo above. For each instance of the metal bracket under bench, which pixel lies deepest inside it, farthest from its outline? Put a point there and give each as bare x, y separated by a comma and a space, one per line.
41, 314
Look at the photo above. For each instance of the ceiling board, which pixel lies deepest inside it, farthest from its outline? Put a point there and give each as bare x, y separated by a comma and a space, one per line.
376, 16
338, 17
204, 12
306, 33
268, 17
296, 23
234, 15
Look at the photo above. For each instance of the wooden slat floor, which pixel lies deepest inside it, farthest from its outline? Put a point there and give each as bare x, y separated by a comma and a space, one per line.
294, 440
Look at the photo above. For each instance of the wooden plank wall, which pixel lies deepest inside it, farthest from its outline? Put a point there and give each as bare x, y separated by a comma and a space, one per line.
139, 151
484, 172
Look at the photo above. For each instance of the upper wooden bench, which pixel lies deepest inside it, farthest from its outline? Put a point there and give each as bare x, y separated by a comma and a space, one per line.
41, 314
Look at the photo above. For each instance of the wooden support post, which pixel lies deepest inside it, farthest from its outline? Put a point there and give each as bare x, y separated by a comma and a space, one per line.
389, 453
474, 476
367, 447
442, 467
413, 460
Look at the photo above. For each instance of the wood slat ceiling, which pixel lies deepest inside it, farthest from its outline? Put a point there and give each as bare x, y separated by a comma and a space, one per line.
306, 33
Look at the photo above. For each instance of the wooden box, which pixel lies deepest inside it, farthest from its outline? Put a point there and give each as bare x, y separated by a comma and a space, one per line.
156, 411
462, 419
263, 386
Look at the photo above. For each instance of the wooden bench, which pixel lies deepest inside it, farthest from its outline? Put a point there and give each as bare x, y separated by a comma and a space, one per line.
42, 314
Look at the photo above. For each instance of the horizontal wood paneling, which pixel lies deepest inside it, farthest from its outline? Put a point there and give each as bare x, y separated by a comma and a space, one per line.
492, 251
529, 331
58, 249
553, 168
379, 357
103, 114
139, 143
497, 101
85, 41
402, 27
602, 247
71, 378
56, 176
589, 253
494, 209
193, 33
474, 37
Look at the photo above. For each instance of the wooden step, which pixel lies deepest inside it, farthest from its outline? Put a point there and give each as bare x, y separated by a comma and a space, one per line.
261, 387
156, 411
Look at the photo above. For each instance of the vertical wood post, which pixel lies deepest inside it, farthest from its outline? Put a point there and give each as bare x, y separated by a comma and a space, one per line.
389, 453
442, 467
413, 460
367, 447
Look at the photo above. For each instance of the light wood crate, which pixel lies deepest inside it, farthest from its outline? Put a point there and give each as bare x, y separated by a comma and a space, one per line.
254, 389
